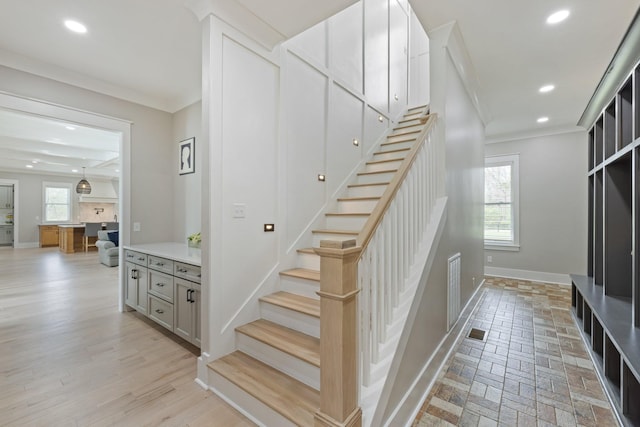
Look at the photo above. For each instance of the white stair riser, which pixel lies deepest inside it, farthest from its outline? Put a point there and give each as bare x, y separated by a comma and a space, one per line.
308, 261
328, 236
407, 128
396, 145
356, 206
382, 166
389, 155
368, 191
245, 403
295, 320
410, 138
290, 365
376, 177
346, 222
294, 285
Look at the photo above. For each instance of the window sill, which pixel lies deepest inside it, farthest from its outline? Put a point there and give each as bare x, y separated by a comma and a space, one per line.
501, 247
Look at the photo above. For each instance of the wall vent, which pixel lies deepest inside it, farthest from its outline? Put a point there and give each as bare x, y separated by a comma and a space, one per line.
453, 290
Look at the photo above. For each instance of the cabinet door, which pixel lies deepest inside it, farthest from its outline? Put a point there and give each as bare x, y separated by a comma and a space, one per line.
195, 296
142, 287
187, 311
131, 288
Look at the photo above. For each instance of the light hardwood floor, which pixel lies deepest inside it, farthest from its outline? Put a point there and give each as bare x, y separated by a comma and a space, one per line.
69, 358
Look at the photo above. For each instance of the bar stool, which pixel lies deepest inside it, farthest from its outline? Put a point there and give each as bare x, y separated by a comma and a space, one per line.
91, 230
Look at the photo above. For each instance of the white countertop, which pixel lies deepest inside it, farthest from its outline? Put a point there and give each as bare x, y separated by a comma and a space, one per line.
172, 250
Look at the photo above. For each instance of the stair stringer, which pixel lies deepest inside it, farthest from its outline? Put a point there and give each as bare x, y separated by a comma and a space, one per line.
373, 398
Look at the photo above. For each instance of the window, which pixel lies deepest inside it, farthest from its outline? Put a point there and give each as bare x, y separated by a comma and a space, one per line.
501, 203
57, 202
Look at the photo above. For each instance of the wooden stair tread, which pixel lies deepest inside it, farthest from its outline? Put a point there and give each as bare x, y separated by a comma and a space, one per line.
378, 172
401, 141
302, 273
306, 251
299, 303
347, 214
367, 185
377, 162
346, 232
404, 133
356, 199
290, 398
396, 150
418, 107
299, 345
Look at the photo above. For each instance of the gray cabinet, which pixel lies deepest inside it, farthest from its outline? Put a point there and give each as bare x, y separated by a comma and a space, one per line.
6, 197
136, 281
165, 290
187, 310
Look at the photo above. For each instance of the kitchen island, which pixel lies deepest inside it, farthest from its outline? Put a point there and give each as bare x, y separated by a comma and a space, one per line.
70, 238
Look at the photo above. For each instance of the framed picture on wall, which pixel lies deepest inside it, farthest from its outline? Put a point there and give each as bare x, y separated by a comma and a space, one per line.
187, 156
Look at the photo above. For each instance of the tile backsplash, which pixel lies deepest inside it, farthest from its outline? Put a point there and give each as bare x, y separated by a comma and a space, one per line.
97, 212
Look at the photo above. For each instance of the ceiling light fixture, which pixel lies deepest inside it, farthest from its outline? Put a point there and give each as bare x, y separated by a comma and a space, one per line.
70, 127
83, 186
543, 119
558, 16
74, 170
75, 26
29, 166
547, 88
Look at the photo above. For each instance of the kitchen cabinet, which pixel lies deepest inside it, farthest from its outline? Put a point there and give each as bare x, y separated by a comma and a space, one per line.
187, 310
49, 236
6, 235
172, 287
136, 281
70, 238
6, 196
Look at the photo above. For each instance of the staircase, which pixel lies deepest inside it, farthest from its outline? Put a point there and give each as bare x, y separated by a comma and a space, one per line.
274, 375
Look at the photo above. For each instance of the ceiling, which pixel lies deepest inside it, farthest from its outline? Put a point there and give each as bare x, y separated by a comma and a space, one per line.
148, 52
41, 145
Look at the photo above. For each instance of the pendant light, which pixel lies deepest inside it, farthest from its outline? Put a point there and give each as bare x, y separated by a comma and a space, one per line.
83, 186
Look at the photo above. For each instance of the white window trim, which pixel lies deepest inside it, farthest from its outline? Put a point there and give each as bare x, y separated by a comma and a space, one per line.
46, 184
514, 161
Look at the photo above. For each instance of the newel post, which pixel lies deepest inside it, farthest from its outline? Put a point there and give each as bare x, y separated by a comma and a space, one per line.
338, 334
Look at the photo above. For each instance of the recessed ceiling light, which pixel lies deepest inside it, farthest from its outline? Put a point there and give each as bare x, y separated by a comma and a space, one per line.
29, 166
34, 161
543, 119
558, 16
547, 88
70, 127
75, 26
74, 170
117, 170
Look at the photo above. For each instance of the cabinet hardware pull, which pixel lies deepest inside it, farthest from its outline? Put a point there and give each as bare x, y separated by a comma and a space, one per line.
159, 264
159, 311
160, 284
189, 295
140, 259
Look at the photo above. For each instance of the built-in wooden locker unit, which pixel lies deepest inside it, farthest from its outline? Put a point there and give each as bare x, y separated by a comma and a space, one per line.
606, 302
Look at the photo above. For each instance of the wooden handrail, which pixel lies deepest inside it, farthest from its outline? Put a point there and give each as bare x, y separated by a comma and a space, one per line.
376, 216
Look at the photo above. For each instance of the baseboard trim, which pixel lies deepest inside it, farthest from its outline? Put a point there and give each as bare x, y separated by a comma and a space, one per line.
534, 276
410, 404
27, 245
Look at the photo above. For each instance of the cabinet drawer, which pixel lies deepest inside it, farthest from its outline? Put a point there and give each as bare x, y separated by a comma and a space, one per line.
187, 271
160, 264
135, 257
161, 312
161, 285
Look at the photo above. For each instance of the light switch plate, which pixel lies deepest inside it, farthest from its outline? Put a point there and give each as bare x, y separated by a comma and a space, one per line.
136, 226
239, 210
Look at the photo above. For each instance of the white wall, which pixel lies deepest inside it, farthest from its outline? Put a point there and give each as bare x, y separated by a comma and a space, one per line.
152, 155
462, 127
553, 208
187, 189
30, 203
274, 121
